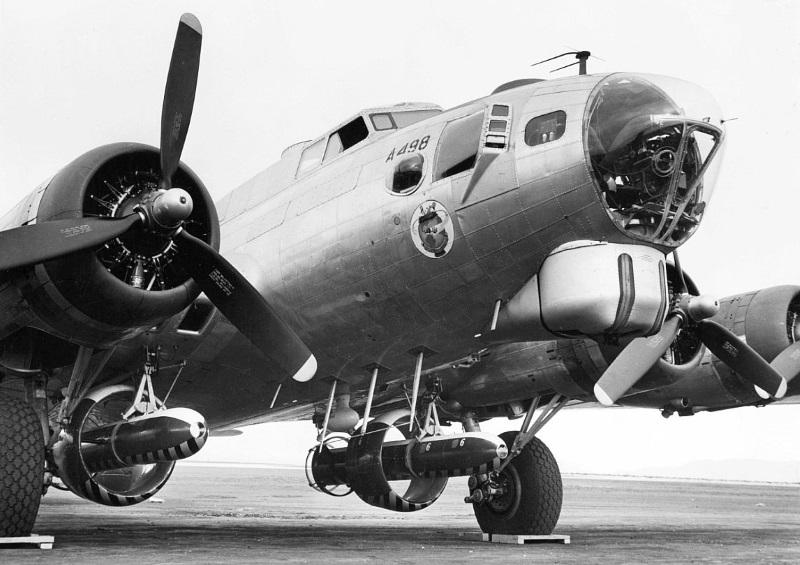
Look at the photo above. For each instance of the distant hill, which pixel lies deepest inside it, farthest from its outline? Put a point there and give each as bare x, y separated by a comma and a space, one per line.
729, 470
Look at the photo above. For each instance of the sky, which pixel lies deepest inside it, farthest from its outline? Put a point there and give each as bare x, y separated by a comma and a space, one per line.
79, 74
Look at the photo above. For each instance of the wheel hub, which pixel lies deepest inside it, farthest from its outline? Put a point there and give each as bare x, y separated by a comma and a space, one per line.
502, 492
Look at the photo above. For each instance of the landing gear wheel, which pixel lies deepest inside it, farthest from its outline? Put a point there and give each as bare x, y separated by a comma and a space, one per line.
530, 496
21, 467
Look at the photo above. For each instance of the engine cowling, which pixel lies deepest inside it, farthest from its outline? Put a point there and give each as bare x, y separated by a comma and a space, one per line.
131, 283
769, 319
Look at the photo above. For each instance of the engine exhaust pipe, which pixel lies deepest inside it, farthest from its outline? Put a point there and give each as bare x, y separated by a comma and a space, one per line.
165, 435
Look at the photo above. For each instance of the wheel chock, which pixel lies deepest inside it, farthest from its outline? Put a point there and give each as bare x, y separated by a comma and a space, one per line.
513, 539
42, 542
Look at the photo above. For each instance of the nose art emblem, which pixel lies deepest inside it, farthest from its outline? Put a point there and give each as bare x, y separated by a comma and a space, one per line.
432, 229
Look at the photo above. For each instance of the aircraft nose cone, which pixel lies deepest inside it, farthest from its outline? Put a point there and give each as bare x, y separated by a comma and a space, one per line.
172, 207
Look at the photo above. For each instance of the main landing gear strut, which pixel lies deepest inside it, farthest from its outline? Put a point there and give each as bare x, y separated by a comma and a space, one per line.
523, 496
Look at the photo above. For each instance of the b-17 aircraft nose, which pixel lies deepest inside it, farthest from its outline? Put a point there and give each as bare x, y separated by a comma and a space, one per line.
651, 143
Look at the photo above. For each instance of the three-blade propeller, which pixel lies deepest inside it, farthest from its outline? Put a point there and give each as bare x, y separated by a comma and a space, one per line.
165, 212
691, 314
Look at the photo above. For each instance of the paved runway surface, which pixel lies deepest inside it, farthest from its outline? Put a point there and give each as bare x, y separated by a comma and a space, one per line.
231, 515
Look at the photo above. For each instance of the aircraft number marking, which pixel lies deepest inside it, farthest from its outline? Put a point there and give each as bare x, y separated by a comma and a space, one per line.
416, 145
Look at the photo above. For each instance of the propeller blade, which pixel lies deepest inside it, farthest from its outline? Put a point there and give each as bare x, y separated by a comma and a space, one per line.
176, 112
634, 361
787, 363
681, 276
244, 307
36, 243
742, 358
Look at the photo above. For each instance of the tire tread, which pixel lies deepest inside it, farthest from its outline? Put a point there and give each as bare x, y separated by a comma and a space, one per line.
21, 466
540, 504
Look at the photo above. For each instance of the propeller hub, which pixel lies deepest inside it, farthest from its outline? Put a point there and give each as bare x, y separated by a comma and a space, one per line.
171, 207
702, 307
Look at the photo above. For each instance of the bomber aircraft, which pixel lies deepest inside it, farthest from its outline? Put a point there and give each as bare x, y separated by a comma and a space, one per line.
409, 267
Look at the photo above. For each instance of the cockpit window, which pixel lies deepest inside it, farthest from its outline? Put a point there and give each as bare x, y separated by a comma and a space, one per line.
650, 159
352, 133
543, 129
399, 120
312, 156
405, 119
382, 122
326, 148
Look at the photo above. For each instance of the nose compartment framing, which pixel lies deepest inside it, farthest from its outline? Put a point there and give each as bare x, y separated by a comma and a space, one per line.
650, 143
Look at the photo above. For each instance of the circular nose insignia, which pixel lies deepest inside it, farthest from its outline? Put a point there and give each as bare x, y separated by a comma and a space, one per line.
432, 229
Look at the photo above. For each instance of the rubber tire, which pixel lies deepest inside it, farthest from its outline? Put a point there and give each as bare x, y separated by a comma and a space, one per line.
534, 505
21, 467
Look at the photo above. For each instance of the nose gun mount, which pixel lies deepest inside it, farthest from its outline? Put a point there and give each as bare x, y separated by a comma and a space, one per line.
651, 157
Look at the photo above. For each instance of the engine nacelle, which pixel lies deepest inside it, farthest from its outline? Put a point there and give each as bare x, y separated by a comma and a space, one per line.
131, 283
769, 319
119, 462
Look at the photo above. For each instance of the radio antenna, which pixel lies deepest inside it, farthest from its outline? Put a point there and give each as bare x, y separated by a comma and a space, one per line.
581, 57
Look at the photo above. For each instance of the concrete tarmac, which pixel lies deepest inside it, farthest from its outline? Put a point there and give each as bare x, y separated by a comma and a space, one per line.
239, 516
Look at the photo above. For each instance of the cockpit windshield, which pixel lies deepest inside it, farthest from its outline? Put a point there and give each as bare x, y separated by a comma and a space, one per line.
651, 141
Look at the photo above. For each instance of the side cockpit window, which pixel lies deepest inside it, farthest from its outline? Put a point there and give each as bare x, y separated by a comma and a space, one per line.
352, 133
382, 122
339, 141
458, 146
546, 128
312, 156
400, 120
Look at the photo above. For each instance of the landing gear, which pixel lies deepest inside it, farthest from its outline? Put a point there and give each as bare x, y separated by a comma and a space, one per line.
21, 467
524, 498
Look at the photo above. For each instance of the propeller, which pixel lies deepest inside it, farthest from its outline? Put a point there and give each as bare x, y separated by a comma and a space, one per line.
36, 243
740, 357
244, 307
691, 313
163, 212
176, 113
787, 363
